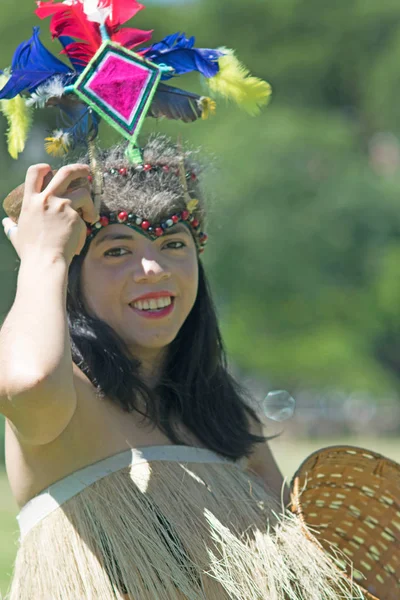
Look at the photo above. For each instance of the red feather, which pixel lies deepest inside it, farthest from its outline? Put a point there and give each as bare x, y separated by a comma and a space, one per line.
78, 51
121, 11
70, 20
129, 38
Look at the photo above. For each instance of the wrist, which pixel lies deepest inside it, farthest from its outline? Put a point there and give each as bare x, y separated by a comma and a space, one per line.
44, 260
36, 267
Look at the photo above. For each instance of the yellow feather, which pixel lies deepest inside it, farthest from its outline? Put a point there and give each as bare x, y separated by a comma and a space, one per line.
208, 107
192, 205
235, 83
56, 145
19, 118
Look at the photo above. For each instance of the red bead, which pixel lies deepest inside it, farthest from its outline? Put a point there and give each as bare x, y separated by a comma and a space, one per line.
145, 225
185, 215
123, 216
165, 168
159, 231
193, 176
204, 237
195, 223
90, 178
175, 218
123, 171
147, 167
201, 250
104, 221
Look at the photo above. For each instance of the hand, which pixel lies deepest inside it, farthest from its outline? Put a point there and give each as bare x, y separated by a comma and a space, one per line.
53, 212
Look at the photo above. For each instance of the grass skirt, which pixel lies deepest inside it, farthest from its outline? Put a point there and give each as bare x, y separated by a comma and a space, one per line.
173, 530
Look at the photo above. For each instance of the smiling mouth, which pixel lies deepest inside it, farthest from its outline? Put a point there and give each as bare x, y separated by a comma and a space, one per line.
152, 309
153, 304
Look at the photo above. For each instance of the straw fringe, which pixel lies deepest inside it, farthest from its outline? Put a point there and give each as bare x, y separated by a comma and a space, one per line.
281, 565
173, 531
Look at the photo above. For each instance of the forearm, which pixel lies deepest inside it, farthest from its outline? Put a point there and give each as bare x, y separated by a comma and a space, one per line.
34, 339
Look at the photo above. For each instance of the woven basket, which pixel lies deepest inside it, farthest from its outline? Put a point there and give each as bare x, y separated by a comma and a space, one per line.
349, 502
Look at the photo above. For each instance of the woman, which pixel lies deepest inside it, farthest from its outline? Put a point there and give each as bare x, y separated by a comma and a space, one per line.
138, 465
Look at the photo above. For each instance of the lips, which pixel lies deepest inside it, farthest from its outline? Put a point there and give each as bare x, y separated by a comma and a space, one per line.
153, 303
154, 295
152, 313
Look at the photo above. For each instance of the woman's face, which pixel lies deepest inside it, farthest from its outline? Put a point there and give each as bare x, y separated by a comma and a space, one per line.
143, 289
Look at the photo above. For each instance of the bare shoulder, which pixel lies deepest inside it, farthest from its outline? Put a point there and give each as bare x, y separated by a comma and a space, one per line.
262, 462
261, 454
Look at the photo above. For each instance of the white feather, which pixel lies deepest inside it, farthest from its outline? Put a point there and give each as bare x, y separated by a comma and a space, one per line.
55, 87
51, 89
95, 12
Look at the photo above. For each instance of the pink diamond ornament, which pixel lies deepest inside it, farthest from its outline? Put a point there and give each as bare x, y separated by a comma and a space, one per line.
119, 85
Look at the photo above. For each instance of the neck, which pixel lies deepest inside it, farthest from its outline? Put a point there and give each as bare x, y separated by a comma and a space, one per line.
152, 363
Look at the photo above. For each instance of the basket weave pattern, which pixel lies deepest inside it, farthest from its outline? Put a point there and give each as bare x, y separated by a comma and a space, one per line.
349, 501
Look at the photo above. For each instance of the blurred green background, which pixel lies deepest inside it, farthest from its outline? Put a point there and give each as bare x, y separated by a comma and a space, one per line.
304, 216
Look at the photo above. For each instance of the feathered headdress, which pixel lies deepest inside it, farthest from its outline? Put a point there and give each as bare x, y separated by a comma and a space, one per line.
107, 79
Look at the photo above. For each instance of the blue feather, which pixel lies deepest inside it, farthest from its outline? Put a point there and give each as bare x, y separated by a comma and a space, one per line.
172, 103
177, 51
77, 119
31, 66
78, 65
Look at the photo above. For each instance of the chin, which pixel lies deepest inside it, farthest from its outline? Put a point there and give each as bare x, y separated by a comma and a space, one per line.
149, 344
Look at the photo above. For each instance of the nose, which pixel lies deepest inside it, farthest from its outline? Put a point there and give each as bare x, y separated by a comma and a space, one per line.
151, 270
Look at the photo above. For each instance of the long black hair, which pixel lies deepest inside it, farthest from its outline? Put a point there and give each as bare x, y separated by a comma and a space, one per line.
195, 389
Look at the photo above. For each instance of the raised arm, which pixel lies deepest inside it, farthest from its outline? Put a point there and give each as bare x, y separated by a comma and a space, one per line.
37, 393
36, 386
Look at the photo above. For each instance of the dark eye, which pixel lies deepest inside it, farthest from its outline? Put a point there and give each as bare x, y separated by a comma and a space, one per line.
175, 245
108, 253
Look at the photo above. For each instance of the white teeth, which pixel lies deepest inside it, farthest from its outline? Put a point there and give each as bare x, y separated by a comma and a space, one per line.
167, 301
152, 304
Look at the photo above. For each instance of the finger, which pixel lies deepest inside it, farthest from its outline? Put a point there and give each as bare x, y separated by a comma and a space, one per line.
82, 241
35, 177
82, 202
76, 183
47, 180
8, 223
64, 177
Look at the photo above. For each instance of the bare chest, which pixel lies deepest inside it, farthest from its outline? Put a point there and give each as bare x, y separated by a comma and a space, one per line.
97, 430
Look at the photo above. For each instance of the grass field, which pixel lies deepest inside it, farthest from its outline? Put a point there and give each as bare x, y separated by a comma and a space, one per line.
289, 454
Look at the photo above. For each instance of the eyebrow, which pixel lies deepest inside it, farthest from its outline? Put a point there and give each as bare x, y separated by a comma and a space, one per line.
125, 236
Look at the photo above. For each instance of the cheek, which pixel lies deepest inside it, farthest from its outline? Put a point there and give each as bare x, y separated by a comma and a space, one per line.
98, 290
191, 280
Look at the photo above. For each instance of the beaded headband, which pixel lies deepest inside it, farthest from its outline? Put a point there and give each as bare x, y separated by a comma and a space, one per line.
145, 226
153, 231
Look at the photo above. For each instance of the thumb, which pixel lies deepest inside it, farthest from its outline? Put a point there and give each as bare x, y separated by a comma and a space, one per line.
10, 229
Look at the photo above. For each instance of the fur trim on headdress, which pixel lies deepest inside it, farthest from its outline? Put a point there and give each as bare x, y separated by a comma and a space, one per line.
151, 195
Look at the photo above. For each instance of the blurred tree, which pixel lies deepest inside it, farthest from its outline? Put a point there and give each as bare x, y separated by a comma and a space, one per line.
304, 216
